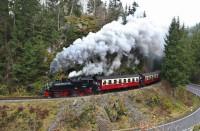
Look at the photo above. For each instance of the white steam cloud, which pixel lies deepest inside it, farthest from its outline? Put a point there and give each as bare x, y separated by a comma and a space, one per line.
104, 51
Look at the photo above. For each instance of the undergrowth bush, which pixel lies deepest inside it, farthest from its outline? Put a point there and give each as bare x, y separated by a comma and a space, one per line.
181, 93
73, 119
196, 128
153, 101
116, 110
37, 87
22, 118
167, 104
4, 90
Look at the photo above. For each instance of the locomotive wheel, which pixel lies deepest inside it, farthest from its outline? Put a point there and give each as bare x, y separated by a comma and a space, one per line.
73, 93
95, 90
56, 94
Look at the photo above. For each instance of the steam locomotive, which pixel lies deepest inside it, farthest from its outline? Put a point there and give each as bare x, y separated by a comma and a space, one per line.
81, 86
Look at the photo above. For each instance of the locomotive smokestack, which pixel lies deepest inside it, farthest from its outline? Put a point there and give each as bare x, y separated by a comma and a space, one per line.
103, 52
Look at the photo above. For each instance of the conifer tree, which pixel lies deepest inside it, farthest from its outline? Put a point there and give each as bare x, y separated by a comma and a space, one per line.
5, 50
144, 14
177, 60
132, 9
195, 40
115, 10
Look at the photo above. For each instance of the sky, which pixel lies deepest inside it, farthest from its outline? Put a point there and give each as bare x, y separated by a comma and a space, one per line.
162, 11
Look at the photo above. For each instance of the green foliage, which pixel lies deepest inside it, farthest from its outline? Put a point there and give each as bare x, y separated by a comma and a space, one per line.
22, 118
181, 63
115, 10
196, 128
116, 110
153, 101
4, 90
131, 10
24, 55
78, 27
93, 5
5, 24
177, 62
87, 115
195, 40
167, 104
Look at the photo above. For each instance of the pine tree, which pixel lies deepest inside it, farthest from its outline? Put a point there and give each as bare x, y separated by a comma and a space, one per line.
115, 10
177, 58
90, 7
132, 9
144, 14
5, 50
124, 15
195, 40
73, 7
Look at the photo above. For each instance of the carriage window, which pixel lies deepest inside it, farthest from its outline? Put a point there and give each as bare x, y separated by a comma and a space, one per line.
136, 79
104, 82
129, 80
120, 81
115, 81
110, 82
133, 80
124, 80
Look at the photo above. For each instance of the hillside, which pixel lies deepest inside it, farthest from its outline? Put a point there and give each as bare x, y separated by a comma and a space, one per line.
145, 107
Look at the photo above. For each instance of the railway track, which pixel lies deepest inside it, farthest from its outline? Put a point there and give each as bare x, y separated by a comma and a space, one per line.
20, 98
28, 99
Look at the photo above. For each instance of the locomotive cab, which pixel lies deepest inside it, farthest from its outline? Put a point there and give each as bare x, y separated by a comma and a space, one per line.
141, 80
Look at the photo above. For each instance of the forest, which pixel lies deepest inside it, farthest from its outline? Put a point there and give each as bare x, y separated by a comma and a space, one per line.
33, 31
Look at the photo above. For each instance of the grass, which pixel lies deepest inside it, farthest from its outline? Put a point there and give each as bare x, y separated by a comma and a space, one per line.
196, 128
27, 115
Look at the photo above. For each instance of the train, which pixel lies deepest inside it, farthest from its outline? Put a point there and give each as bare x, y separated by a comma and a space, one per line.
86, 85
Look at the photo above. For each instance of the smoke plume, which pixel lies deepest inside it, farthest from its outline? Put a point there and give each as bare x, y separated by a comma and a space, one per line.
105, 51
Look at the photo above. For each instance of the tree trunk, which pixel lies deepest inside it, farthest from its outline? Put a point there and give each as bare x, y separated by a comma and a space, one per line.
71, 11
58, 17
94, 11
